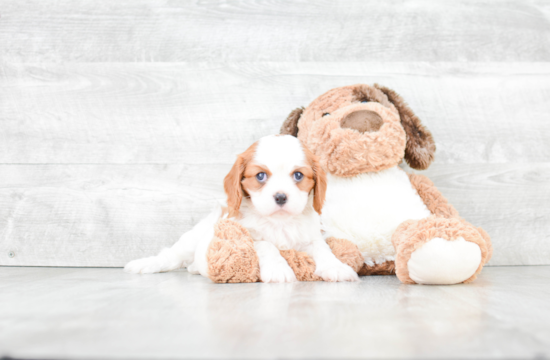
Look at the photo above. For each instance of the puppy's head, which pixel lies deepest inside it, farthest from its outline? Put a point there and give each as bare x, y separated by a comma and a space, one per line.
278, 174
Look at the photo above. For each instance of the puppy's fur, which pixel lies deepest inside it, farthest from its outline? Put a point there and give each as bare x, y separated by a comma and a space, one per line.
276, 190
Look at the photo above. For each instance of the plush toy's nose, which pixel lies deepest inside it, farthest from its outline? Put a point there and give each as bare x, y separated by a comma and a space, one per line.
363, 121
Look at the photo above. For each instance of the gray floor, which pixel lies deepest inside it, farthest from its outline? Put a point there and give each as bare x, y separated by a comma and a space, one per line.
105, 313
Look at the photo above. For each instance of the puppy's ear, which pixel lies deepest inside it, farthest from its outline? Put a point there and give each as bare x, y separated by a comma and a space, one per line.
233, 188
290, 126
320, 178
420, 149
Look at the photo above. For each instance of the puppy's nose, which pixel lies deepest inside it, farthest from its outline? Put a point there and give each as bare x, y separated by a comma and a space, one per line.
363, 121
280, 198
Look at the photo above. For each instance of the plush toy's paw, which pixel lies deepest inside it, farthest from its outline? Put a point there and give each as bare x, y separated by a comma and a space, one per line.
438, 251
165, 261
277, 272
336, 271
231, 256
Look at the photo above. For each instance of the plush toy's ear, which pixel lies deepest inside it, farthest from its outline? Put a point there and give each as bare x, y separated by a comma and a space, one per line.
233, 188
290, 126
420, 149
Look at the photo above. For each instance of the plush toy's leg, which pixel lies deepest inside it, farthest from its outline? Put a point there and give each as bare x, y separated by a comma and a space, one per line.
347, 252
439, 251
302, 265
231, 256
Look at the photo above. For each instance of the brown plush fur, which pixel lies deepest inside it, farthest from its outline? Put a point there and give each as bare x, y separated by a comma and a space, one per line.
290, 126
347, 252
440, 207
420, 149
347, 152
387, 268
434, 200
302, 264
330, 129
412, 234
231, 256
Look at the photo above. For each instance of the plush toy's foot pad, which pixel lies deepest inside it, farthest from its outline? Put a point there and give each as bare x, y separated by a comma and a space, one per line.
231, 255
438, 251
302, 265
440, 261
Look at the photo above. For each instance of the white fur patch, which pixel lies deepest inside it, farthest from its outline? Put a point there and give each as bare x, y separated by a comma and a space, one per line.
367, 208
444, 262
281, 154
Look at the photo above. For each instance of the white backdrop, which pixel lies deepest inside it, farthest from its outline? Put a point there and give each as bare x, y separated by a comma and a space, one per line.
118, 120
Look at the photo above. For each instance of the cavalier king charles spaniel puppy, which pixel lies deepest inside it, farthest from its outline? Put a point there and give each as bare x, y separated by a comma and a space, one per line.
276, 190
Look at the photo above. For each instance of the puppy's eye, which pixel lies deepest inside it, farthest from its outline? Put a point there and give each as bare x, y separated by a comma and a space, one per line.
326, 114
364, 101
261, 177
298, 176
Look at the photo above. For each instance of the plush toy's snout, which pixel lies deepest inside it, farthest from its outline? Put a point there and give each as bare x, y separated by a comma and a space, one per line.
363, 121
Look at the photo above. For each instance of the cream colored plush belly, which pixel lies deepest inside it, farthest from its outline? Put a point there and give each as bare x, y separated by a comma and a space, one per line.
367, 208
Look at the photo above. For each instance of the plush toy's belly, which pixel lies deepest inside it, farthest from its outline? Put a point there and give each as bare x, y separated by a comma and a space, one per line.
367, 208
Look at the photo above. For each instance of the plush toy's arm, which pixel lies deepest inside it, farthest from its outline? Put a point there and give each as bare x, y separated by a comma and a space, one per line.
439, 206
432, 198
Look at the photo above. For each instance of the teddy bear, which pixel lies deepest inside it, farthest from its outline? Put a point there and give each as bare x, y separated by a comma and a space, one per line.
377, 218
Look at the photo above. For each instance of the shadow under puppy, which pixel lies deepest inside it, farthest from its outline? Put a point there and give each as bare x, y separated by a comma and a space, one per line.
275, 193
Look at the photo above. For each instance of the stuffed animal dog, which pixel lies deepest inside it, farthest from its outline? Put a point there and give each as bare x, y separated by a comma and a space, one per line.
401, 223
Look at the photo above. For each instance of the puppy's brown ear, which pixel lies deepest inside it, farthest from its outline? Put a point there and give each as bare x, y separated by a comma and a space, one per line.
420, 149
233, 188
290, 126
320, 178
232, 183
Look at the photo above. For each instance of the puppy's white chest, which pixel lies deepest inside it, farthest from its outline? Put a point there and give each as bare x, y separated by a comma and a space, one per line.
366, 209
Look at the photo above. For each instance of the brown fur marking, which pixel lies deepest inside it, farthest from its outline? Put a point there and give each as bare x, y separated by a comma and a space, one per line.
249, 181
232, 182
320, 178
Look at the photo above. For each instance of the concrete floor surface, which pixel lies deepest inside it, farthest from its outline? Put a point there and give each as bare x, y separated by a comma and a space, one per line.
100, 313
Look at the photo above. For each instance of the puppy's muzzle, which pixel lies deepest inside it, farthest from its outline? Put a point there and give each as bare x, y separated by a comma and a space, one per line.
362, 121
280, 199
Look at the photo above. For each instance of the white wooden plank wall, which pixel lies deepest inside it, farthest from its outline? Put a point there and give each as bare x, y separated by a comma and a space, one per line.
118, 120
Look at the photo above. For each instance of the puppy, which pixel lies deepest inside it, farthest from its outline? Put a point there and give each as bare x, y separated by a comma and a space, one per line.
276, 190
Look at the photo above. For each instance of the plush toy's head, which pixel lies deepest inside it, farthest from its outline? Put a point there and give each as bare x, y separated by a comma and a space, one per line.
361, 128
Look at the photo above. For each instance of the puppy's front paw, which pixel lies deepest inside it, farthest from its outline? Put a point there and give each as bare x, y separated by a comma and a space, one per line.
148, 265
277, 272
337, 272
